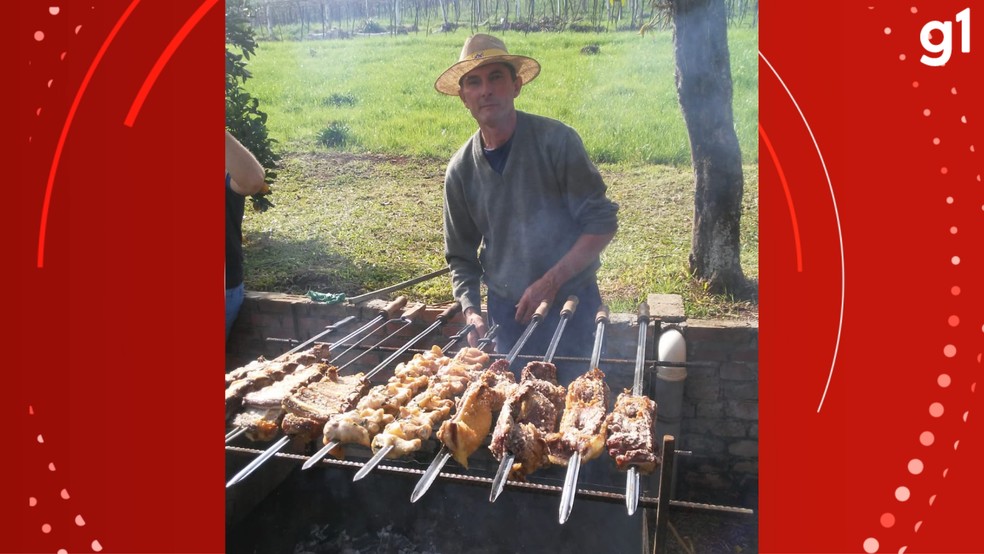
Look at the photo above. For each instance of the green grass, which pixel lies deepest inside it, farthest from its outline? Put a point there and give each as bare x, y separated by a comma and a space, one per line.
366, 213
354, 223
623, 100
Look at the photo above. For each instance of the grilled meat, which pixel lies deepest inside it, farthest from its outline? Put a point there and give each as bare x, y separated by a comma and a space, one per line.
420, 416
264, 407
309, 408
381, 405
632, 432
261, 373
583, 426
530, 413
464, 433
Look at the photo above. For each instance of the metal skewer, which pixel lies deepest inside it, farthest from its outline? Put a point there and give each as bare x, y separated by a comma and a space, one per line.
406, 319
502, 474
384, 317
430, 475
279, 445
258, 461
381, 454
443, 318
574, 463
632, 476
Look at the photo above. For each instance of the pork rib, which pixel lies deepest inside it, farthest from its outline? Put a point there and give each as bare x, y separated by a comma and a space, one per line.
308, 409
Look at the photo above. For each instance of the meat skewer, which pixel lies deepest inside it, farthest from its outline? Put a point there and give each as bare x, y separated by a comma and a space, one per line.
464, 433
632, 425
232, 404
275, 416
545, 390
266, 374
598, 431
420, 416
443, 318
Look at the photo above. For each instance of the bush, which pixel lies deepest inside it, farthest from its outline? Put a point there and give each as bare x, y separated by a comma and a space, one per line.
335, 135
244, 119
338, 100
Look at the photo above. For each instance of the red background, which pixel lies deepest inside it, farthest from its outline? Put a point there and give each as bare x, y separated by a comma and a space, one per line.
102, 335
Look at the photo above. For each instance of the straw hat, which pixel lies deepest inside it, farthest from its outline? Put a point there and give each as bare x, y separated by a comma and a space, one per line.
480, 50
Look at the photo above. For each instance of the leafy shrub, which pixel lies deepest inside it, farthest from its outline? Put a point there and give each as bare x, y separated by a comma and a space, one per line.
244, 119
339, 100
335, 135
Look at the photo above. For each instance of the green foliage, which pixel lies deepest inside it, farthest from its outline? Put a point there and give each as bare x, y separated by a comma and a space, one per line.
244, 119
335, 135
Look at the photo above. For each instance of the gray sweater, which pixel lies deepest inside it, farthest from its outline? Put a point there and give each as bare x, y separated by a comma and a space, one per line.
512, 228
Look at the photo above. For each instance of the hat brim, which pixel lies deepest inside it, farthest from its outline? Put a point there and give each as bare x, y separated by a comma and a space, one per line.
526, 69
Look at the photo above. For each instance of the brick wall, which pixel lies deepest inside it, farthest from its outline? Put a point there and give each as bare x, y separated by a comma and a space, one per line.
720, 405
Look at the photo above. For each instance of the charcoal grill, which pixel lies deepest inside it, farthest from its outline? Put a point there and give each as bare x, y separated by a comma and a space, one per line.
297, 502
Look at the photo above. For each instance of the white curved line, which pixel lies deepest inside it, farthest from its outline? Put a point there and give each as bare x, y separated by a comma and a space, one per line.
840, 236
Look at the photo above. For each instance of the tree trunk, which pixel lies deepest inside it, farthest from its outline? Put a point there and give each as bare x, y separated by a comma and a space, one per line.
703, 80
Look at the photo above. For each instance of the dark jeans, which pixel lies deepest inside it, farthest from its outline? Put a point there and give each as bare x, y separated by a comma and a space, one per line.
577, 340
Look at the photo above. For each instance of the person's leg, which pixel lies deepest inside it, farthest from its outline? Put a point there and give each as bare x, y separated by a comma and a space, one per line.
233, 301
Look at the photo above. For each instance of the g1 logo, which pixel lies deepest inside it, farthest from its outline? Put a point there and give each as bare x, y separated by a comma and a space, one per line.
944, 48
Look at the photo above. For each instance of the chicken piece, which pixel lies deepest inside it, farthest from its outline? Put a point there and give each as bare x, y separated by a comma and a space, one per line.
583, 426
419, 418
464, 433
632, 433
383, 403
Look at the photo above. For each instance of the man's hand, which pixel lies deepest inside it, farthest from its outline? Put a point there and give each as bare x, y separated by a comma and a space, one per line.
544, 288
475, 318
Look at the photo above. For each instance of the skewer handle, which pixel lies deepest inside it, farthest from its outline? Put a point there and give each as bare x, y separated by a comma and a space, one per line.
450, 312
541, 311
390, 310
569, 306
643, 313
413, 313
602, 315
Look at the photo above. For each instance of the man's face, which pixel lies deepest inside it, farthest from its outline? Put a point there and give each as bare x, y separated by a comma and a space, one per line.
488, 92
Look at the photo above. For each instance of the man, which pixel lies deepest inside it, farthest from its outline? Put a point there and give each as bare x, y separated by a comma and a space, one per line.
525, 210
244, 177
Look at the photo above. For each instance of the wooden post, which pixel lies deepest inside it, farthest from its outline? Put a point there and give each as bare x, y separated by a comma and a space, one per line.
663, 504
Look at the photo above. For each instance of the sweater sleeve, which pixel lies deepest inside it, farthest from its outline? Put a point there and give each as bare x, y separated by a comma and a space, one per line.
586, 195
461, 241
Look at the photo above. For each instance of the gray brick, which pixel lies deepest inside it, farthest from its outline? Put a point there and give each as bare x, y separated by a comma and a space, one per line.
733, 371
740, 391
745, 449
